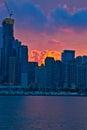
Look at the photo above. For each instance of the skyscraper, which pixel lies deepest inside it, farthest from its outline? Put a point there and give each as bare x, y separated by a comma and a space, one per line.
12, 70
80, 77
23, 63
8, 37
73, 74
84, 59
16, 53
68, 55
40, 77
57, 74
78, 60
24, 58
49, 63
31, 71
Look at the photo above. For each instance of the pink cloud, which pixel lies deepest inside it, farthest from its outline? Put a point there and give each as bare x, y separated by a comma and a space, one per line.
56, 42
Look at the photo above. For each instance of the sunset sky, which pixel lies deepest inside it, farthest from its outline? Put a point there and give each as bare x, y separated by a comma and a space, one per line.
49, 26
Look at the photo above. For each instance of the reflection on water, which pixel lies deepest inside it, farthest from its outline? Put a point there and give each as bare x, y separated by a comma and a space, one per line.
43, 113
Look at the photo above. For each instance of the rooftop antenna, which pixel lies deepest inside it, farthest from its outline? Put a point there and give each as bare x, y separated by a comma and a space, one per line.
8, 9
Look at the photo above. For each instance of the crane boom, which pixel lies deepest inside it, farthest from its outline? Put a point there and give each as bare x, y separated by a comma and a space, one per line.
9, 11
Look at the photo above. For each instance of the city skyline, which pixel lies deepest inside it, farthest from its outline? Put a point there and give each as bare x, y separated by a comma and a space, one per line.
67, 74
43, 64
52, 26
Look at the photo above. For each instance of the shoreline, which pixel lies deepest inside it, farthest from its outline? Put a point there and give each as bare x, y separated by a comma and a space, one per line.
16, 93
25, 91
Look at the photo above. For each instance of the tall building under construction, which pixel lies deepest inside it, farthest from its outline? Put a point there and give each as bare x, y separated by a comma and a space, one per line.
8, 38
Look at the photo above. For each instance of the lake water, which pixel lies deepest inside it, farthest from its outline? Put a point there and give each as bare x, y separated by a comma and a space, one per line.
43, 113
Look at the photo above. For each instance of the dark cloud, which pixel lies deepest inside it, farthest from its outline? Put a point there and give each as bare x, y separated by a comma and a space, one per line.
48, 5
27, 15
61, 18
79, 19
32, 17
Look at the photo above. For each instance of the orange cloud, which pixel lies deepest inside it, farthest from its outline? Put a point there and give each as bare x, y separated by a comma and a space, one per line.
39, 56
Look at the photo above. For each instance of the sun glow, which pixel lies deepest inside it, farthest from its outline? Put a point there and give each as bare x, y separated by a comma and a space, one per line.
39, 56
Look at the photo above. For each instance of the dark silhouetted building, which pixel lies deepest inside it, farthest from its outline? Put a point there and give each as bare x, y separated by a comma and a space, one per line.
24, 58
78, 60
68, 55
40, 77
16, 53
31, 71
57, 75
8, 38
49, 64
84, 60
12, 70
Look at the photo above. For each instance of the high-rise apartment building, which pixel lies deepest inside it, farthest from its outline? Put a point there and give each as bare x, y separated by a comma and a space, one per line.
31, 71
16, 53
80, 77
73, 74
40, 77
57, 74
68, 55
49, 64
24, 58
84, 59
12, 70
78, 60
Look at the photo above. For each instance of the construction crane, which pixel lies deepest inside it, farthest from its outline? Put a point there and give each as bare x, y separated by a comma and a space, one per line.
9, 11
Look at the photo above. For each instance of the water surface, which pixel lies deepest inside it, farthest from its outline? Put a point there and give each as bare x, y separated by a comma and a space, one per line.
43, 113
